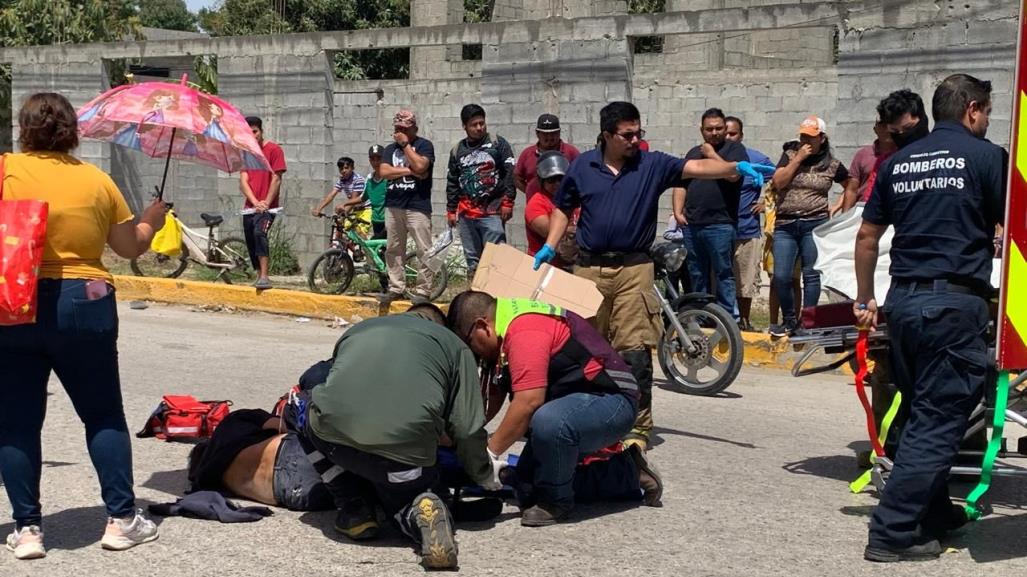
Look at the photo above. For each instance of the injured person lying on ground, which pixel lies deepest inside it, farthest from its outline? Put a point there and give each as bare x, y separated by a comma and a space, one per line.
263, 457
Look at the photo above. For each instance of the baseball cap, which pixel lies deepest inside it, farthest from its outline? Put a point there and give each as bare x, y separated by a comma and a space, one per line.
405, 119
375, 150
812, 126
547, 123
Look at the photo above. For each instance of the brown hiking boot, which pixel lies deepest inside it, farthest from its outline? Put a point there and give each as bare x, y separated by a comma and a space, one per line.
438, 541
648, 477
544, 515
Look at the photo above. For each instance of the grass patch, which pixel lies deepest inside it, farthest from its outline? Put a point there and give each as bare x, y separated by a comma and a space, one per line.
282, 260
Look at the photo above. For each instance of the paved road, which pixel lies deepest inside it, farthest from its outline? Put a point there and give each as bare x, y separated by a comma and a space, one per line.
756, 481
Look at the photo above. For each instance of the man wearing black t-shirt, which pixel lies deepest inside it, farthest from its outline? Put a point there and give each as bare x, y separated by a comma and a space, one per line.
407, 164
709, 208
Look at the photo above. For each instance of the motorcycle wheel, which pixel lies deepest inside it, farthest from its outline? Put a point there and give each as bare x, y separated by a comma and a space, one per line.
719, 355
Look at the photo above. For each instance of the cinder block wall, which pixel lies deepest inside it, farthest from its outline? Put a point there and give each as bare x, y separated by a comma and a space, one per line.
771, 79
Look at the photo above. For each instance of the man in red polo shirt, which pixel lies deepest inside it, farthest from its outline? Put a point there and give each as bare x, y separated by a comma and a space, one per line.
572, 395
261, 189
547, 129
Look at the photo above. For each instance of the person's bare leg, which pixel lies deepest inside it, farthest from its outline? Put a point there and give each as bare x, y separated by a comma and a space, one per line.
263, 265
775, 306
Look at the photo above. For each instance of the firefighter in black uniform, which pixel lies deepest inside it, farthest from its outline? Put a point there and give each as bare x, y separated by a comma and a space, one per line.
944, 194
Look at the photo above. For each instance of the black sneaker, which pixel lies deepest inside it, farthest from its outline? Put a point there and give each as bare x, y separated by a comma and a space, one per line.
356, 520
784, 329
438, 542
922, 552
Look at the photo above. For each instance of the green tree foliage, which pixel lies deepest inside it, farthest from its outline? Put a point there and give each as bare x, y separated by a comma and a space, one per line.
244, 17
167, 14
647, 44
36, 22
476, 11
32, 22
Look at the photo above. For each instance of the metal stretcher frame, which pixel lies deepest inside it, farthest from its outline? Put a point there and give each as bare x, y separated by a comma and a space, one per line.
842, 341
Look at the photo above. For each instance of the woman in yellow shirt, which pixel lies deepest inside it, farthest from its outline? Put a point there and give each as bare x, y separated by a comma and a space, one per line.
76, 330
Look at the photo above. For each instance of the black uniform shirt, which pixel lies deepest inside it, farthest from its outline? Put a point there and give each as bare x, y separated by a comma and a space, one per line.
944, 194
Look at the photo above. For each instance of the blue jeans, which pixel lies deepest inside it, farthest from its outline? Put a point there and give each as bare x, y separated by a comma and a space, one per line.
791, 241
474, 233
77, 339
564, 430
712, 247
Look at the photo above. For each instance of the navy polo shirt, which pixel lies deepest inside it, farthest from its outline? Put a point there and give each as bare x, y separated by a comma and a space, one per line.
618, 212
944, 194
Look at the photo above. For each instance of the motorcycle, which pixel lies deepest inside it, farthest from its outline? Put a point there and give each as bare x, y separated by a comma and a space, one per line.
701, 350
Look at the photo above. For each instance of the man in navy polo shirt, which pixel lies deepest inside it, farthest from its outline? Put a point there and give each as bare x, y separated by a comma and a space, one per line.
618, 187
944, 194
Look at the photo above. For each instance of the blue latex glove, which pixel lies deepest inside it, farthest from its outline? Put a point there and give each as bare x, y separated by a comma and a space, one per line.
544, 254
755, 171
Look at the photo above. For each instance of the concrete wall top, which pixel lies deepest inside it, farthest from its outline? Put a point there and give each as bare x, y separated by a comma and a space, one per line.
795, 14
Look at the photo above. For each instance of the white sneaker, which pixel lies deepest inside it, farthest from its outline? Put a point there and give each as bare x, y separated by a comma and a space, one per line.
27, 543
126, 533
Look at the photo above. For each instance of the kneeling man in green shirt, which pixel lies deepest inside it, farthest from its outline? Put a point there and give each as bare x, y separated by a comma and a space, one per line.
397, 385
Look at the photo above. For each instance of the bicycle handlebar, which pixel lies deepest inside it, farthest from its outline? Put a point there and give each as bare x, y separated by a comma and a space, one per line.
349, 217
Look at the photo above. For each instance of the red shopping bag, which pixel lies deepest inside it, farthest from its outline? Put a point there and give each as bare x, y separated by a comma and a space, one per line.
22, 236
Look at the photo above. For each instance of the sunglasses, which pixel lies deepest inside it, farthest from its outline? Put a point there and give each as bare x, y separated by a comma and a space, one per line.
629, 136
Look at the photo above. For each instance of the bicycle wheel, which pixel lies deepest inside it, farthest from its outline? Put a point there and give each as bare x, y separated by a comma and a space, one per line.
156, 265
439, 282
331, 273
236, 254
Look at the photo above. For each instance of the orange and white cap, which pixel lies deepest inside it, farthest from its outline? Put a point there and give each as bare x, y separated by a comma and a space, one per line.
813, 126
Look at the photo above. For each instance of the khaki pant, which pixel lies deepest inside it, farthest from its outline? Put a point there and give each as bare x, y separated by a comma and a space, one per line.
748, 254
630, 318
630, 314
399, 223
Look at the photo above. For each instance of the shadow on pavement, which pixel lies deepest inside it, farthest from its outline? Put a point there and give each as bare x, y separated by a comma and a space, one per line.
473, 526
76, 528
388, 535
857, 510
658, 432
838, 467
587, 512
676, 388
995, 538
173, 483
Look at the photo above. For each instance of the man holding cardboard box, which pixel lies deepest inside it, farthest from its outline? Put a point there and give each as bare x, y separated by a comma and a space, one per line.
617, 187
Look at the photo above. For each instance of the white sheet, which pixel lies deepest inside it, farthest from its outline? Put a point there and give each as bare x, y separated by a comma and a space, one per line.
836, 246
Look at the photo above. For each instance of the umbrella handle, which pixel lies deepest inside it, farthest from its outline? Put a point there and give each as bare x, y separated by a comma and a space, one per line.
167, 162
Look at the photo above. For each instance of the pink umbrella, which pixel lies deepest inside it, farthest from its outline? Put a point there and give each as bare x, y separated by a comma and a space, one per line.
173, 120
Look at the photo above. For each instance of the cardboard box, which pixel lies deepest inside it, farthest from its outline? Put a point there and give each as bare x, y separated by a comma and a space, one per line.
504, 271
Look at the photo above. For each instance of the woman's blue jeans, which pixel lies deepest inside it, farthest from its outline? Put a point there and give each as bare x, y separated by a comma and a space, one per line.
76, 338
795, 241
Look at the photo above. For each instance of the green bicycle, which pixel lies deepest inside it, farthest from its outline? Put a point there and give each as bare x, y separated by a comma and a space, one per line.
350, 254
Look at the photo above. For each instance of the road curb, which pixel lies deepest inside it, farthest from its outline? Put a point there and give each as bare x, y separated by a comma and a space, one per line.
767, 352
278, 301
